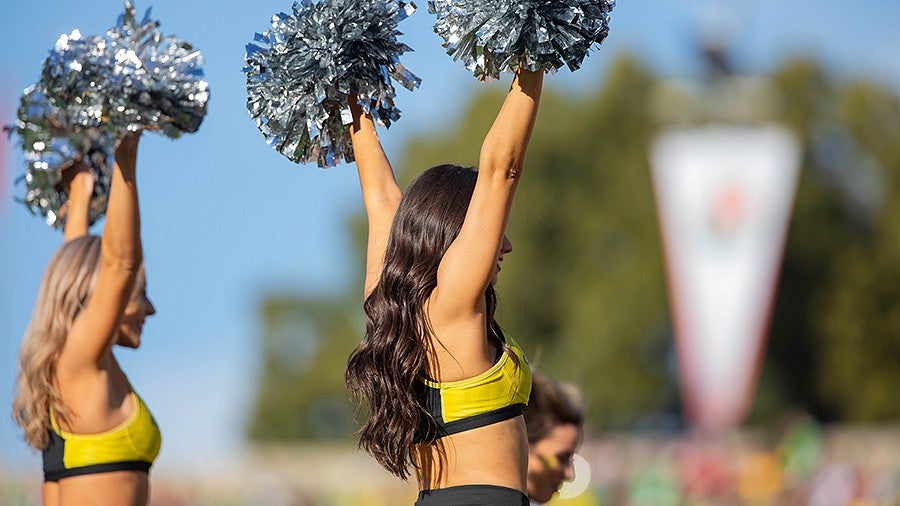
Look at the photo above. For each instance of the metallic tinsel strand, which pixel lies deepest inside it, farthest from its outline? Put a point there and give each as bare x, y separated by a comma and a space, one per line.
131, 78
93, 90
51, 145
494, 36
301, 71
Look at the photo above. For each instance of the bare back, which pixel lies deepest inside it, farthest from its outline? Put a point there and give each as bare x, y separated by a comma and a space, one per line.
456, 309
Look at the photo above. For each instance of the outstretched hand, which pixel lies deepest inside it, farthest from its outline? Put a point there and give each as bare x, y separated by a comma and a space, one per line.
128, 144
126, 153
77, 180
78, 185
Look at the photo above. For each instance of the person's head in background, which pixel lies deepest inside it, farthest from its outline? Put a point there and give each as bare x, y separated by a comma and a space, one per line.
555, 419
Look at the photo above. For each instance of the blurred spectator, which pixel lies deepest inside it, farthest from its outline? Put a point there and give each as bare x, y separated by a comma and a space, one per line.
555, 418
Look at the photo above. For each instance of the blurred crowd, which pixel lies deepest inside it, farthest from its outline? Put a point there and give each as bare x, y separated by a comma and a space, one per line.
801, 464
798, 463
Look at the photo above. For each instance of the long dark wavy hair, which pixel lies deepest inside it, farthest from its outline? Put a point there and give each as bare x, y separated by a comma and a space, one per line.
384, 372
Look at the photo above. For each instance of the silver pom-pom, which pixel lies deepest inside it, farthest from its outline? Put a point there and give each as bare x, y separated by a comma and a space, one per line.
75, 77
302, 70
51, 145
132, 78
494, 36
161, 78
93, 90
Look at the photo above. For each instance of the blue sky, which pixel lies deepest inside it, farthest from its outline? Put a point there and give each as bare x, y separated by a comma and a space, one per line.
226, 219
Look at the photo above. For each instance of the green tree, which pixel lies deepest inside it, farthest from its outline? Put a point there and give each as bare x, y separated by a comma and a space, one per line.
835, 341
301, 392
584, 289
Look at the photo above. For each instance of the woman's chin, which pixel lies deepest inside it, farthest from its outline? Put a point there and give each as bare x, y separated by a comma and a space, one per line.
129, 342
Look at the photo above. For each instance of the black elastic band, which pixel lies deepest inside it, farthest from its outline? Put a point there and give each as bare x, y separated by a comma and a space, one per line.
473, 422
131, 465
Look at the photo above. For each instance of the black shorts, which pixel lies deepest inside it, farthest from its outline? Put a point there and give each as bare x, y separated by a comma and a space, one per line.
472, 495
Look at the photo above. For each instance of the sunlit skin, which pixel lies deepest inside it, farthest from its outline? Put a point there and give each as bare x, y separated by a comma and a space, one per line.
123, 487
505, 248
456, 308
79, 183
550, 462
87, 376
136, 312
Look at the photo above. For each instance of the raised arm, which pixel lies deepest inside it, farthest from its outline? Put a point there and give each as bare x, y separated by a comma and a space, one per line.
465, 271
380, 192
94, 330
79, 182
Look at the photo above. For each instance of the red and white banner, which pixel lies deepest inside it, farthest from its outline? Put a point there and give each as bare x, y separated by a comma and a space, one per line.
724, 197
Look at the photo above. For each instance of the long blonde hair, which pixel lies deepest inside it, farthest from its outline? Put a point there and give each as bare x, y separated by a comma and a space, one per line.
67, 284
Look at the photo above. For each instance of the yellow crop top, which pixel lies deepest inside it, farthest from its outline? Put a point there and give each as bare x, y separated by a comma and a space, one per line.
498, 394
132, 446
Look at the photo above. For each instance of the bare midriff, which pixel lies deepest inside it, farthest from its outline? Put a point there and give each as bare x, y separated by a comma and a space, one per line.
117, 488
496, 454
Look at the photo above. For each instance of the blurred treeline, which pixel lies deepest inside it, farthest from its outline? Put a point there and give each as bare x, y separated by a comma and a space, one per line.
584, 289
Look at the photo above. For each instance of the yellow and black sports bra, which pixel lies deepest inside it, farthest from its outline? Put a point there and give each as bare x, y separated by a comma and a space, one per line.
498, 394
132, 446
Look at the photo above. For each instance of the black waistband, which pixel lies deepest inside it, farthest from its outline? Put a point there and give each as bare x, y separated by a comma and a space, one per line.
132, 465
472, 495
473, 422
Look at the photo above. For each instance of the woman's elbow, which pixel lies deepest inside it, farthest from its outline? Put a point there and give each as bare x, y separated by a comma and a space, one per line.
126, 264
514, 170
507, 168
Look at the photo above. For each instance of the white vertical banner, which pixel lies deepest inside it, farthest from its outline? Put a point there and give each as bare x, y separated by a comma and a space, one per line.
724, 197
